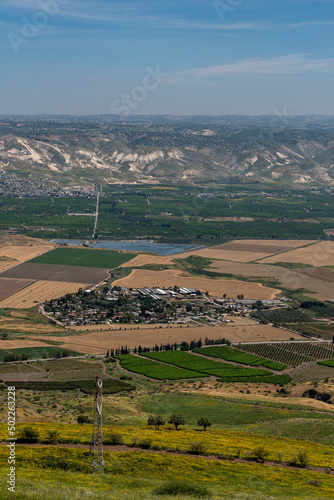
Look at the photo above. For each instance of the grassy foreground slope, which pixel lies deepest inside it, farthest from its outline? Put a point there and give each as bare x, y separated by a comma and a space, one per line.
135, 475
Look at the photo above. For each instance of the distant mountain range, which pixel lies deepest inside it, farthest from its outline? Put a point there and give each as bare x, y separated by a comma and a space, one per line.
192, 150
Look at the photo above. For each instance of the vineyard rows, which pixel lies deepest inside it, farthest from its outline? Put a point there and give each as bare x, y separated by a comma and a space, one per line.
291, 353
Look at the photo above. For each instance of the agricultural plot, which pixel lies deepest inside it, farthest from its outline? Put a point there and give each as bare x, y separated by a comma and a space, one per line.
317, 280
24, 253
110, 386
224, 371
231, 354
40, 352
329, 362
9, 286
98, 342
142, 278
155, 370
6, 263
39, 292
318, 255
144, 260
49, 272
291, 353
103, 259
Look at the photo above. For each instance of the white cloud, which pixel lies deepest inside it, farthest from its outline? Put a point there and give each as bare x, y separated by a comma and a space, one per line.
289, 64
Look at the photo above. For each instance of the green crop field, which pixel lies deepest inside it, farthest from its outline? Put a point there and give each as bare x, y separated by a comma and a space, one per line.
105, 259
231, 354
110, 386
225, 371
155, 370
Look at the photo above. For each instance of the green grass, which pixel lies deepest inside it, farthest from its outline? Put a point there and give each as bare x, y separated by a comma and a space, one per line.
204, 365
329, 362
155, 370
315, 430
231, 354
105, 259
226, 414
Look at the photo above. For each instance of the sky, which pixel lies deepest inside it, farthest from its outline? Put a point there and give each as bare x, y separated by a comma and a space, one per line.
180, 57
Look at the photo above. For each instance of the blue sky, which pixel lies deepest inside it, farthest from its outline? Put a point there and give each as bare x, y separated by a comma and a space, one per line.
214, 56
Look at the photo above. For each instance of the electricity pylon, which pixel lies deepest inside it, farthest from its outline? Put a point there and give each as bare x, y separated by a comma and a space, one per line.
97, 435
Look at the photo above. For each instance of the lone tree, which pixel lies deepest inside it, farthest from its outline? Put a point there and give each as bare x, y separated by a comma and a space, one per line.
204, 422
177, 420
156, 421
82, 419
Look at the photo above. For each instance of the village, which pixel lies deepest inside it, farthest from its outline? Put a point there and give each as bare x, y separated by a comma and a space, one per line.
150, 306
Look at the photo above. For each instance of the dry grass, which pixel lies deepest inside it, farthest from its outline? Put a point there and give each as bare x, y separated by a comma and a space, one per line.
319, 254
39, 292
100, 342
141, 278
24, 253
18, 344
144, 260
246, 250
317, 280
6, 263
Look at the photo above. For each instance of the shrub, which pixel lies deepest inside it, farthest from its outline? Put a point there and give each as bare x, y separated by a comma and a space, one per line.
52, 437
114, 438
28, 435
178, 488
300, 460
145, 444
315, 482
197, 449
260, 454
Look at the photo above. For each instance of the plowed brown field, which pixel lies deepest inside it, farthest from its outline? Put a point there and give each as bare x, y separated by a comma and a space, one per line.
10, 286
40, 291
142, 278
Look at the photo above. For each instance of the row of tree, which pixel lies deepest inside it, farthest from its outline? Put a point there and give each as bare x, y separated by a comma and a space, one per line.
184, 346
176, 419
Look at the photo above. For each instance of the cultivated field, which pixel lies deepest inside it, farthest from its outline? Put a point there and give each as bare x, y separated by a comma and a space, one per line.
6, 263
317, 280
26, 321
144, 260
39, 292
98, 342
24, 253
319, 254
50, 272
10, 286
83, 257
8, 345
142, 278
247, 250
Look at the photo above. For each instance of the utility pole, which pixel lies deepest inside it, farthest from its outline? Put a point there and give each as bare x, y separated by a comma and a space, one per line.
97, 435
